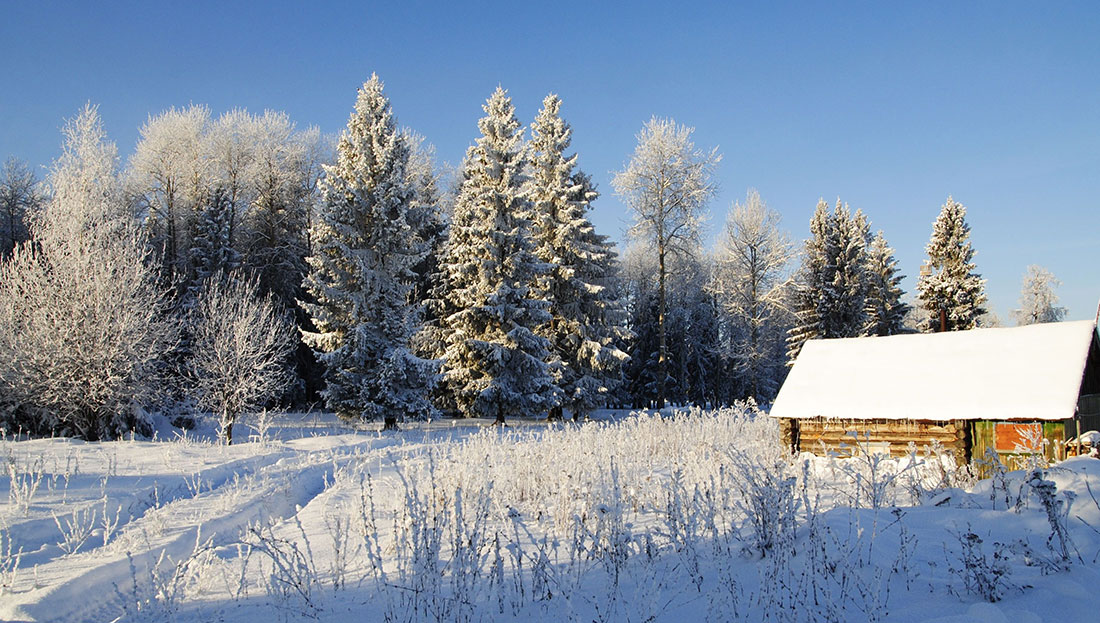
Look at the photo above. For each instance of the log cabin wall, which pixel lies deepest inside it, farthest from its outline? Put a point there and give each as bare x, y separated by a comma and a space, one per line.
847, 437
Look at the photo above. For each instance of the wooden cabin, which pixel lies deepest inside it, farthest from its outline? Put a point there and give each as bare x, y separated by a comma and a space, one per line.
970, 390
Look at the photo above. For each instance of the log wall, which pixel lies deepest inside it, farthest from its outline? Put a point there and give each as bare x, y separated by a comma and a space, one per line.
847, 437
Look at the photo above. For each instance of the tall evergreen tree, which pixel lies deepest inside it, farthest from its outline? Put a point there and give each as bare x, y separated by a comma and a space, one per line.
885, 308
832, 289
495, 363
949, 290
363, 251
584, 311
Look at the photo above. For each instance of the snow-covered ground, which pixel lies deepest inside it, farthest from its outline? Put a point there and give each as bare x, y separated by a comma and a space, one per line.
691, 517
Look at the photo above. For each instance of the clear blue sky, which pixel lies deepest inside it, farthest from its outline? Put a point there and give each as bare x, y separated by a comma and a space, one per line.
889, 106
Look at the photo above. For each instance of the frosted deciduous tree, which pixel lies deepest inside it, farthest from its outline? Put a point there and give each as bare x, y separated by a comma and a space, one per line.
1038, 301
495, 364
584, 313
751, 267
83, 322
170, 179
886, 311
950, 292
364, 248
20, 198
274, 242
240, 345
667, 183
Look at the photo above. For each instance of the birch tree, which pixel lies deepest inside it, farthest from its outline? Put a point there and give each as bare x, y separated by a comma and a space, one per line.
1038, 300
20, 198
667, 184
752, 260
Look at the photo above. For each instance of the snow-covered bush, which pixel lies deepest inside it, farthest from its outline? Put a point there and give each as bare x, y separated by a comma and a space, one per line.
240, 346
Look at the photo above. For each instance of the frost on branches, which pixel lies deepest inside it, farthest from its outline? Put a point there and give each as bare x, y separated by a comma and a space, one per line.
667, 184
83, 322
751, 267
240, 343
948, 284
583, 330
364, 248
885, 309
495, 364
833, 283
1038, 301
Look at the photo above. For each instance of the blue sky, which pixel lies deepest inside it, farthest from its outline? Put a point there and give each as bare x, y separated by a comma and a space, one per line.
889, 106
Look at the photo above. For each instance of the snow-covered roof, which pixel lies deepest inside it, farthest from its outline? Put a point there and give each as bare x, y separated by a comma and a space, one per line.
1031, 372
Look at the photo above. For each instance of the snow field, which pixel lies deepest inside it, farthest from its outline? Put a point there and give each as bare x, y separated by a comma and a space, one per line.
692, 516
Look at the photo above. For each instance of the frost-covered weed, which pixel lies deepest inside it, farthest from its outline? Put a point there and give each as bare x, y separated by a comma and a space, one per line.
982, 574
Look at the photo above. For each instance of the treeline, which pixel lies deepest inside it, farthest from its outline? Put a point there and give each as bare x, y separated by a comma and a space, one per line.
237, 262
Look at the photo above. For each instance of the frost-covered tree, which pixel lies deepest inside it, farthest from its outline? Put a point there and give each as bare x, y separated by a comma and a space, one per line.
1038, 301
751, 270
170, 179
833, 282
240, 344
20, 198
281, 178
212, 251
584, 312
886, 310
950, 292
667, 184
495, 364
364, 248
428, 218
83, 321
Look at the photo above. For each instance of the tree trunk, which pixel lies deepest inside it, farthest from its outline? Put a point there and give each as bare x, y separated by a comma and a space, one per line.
500, 415
662, 351
389, 423
229, 433
555, 414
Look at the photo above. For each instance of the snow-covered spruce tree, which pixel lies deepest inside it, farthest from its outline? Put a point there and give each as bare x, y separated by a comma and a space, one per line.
211, 251
83, 322
751, 269
886, 310
429, 219
20, 198
667, 183
363, 252
833, 282
240, 345
949, 290
584, 312
495, 363
1038, 302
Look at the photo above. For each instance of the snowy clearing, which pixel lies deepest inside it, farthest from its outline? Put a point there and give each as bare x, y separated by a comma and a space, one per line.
691, 517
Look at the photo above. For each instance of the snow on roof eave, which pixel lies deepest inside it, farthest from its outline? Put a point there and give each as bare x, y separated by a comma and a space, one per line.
1018, 373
